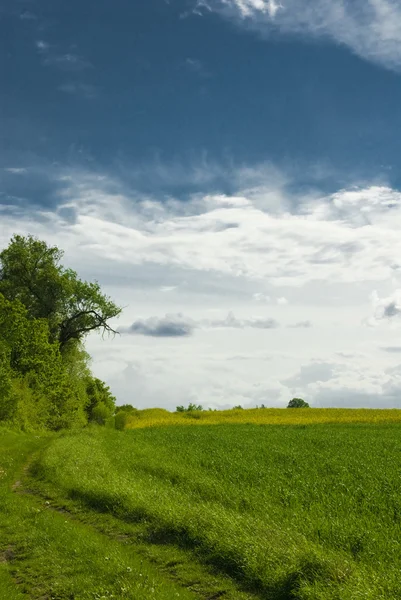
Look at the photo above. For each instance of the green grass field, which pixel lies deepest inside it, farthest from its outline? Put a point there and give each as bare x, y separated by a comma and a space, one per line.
237, 511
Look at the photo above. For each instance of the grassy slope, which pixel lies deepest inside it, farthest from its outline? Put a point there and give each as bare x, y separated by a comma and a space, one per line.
307, 512
47, 554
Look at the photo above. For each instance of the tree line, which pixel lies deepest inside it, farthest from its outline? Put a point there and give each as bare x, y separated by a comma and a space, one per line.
46, 312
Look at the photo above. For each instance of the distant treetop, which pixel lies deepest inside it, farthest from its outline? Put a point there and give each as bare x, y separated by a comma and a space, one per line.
298, 403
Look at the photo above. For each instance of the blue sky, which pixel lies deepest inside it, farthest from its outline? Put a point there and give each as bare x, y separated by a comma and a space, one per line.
228, 169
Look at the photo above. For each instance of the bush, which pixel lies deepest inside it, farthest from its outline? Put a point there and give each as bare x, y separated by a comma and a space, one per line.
121, 420
128, 408
191, 408
100, 414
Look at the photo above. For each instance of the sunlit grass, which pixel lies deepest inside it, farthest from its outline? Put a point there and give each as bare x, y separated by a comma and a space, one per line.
294, 512
262, 416
45, 553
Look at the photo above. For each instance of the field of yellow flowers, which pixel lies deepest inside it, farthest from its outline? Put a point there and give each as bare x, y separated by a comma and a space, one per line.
262, 416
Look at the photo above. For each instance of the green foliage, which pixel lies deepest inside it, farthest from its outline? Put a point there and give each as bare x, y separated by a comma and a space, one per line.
100, 401
297, 403
45, 313
123, 413
121, 420
30, 272
128, 408
36, 389
191, 408
100, 413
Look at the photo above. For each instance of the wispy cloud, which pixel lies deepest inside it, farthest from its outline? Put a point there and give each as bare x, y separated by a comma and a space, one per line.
196, 66
68, 61
301, 325
200, 8
370, 28
231, 321
27, 15
54, 57
16, 170
42, 46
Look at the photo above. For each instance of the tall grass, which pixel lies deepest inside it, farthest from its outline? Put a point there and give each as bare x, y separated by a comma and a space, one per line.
291, 512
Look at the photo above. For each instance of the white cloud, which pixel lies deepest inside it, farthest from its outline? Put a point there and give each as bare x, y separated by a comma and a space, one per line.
348, 384
247, 8
215, 253
324, 238
370, 28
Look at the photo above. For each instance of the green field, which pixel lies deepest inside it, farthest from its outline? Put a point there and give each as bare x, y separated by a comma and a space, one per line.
235, 511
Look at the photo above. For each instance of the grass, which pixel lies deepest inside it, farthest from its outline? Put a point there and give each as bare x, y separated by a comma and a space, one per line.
46, 554
156, 417
305, 512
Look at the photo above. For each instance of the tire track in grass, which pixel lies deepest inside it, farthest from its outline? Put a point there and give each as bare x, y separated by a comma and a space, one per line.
41, 552
184, 570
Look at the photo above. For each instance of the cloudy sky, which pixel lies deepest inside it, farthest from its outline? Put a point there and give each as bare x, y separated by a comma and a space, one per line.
230, 172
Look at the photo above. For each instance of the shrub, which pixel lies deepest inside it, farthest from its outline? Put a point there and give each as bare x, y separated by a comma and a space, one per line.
120, 420
100, 413
191, 408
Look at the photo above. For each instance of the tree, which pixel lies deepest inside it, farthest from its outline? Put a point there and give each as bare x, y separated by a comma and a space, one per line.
297, 403
36, 390
30, 271
101, 403
45, 313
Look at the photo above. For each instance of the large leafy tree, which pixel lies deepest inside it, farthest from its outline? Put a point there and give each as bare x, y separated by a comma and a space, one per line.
30, 271
35, 389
